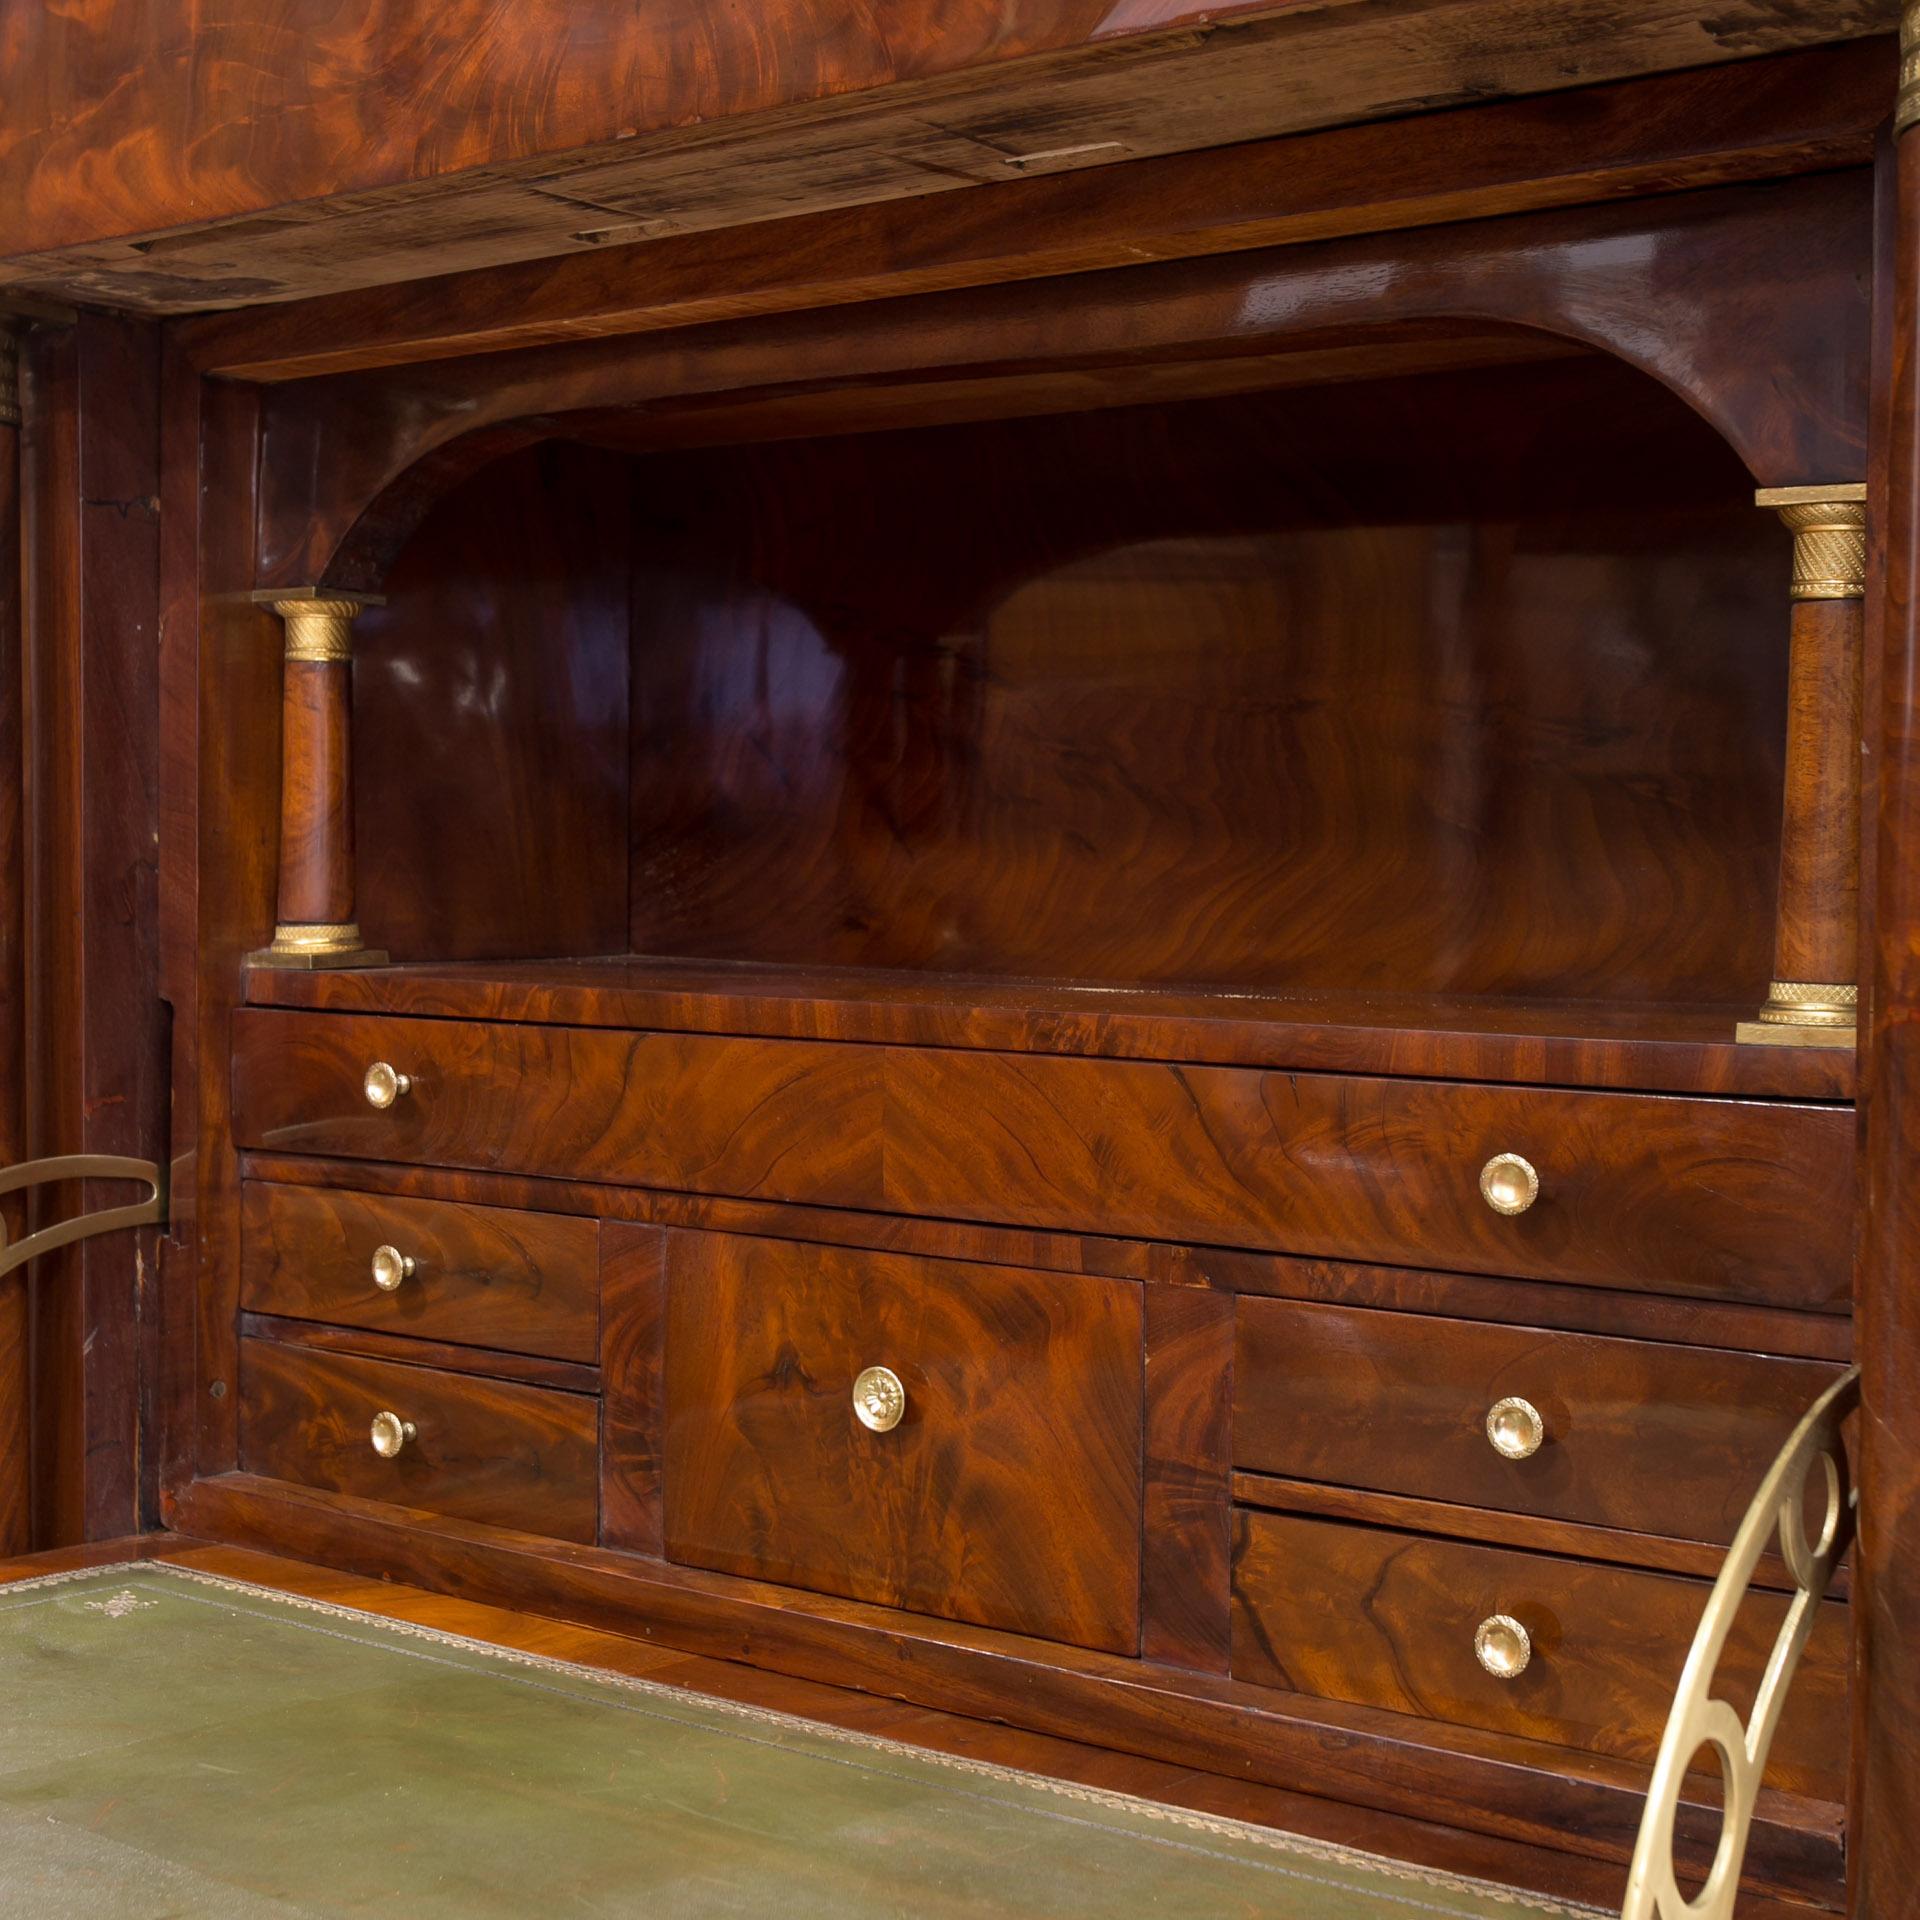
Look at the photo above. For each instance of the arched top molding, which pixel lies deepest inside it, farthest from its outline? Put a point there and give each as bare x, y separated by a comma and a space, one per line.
1750, 303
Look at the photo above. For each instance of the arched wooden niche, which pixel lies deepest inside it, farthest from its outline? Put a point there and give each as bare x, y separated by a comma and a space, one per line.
1681, 290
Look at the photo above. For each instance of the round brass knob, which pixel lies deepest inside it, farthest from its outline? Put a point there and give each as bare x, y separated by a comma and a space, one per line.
1515, 1428
392, 1269
1509, 1184
1502, 1646
879, 1400
384, 1086
391, 1433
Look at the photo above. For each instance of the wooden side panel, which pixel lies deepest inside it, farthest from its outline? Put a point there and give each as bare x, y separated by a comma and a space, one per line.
633, 1308
1185, 1565
487, 1450
1387, 1619
1640, 1436
97, 1036
1008, 1493
480, 1276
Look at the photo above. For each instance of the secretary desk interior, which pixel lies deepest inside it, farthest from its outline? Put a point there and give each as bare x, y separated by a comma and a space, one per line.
1124, 1000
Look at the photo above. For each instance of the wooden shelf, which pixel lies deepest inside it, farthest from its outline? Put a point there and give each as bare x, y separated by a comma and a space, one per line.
1647, 1048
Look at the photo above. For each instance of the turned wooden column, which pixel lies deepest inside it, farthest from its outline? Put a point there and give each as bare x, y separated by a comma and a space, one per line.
1814, 996
15, 1413
315, 924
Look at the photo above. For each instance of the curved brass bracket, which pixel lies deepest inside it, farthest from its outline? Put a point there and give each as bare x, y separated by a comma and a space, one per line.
1698, 1719
83, 1226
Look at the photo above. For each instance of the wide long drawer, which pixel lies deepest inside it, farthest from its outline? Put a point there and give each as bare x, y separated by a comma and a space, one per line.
477, 1276
486, 1450
1398, 1621
1713, 1197
1636, 1434
943, 1436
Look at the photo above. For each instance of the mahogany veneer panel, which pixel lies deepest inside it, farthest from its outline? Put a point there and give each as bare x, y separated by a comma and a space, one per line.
1387, 1619
1640, 1435
1009, 1495
487, 1450
1650, 1047
483, 1276
1690, 1196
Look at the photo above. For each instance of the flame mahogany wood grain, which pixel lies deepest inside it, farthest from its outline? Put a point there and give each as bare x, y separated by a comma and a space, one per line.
1649, 1048
1008, 1495
1555, 1796
1579, 1309
1716, 1198
570, 1376
483, 1276
1641, 1437
1387, 1620
488, 1450
408, 144
1819, 910
1185, 1571
361, 457
1529, 1532
1782, 114
633, 1417
316, 809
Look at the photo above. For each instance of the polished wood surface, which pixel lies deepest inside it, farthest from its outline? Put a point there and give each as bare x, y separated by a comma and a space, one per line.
1819, 926
489, 1450
1387, 1620
1531, 1533
490, 720
190, 161
360, 458
16, 1327
633, 1414
94, 1060
410, 1350
1639, 1436
316, 807
1185, 1549
1787, 113
1198, 1153
481, 1276
1886, 1799
1459, 1776
1008, 1494
1650, 1048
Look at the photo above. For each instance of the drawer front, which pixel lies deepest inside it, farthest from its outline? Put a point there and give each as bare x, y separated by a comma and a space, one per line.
1635, 1434
1386, 1619
758, 1119
485, 1450
477, 1276
1009, 1492
1712, 1197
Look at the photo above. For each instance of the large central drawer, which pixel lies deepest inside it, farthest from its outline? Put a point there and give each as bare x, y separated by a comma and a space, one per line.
992, 1473
1703, 1196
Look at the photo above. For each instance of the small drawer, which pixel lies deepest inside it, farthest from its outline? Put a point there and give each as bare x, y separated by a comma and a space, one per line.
476, 1276
993, 1475
1391, 1620
1633, 1434
486, 1450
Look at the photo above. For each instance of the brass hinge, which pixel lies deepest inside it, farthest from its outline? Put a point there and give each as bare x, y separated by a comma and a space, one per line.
83, 1226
